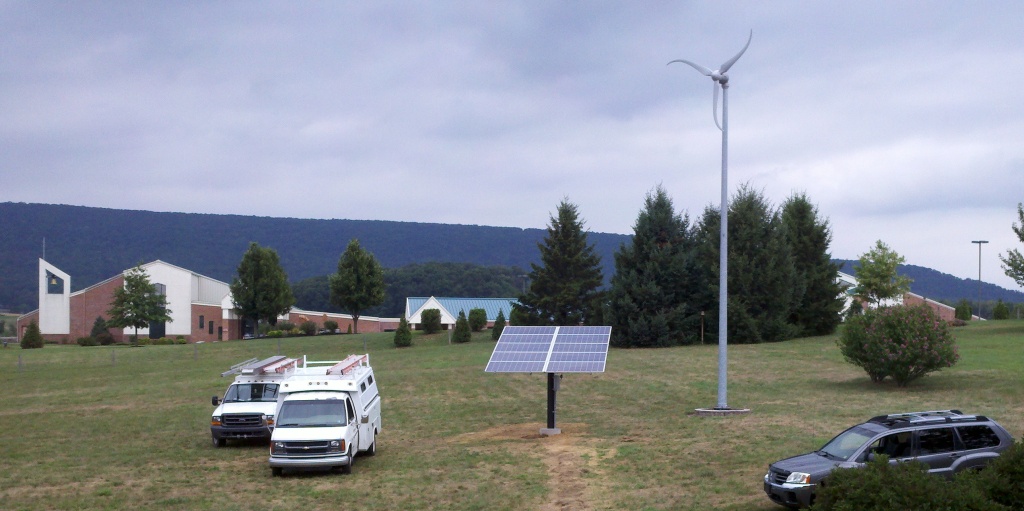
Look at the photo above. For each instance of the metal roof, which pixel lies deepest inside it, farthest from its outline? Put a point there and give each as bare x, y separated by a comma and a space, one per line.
453, 305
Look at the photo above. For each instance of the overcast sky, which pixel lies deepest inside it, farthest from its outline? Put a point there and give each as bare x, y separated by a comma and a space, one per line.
902, 121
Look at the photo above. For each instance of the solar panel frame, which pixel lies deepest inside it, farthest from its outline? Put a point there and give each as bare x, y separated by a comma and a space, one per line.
541, 349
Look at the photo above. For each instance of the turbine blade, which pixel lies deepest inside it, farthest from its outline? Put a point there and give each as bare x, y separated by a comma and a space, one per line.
725, 67
703, 70
715, 105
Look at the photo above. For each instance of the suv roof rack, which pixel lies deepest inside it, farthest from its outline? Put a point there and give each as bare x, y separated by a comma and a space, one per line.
928, 416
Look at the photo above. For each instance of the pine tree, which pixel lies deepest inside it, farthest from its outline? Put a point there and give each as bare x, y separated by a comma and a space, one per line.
403, 335
563, 288
461, 333
32, 339
648, 303
819, 303
499, 326
762, 274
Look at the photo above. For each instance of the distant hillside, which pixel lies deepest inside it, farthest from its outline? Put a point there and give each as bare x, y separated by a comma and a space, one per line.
943, 286
93, 244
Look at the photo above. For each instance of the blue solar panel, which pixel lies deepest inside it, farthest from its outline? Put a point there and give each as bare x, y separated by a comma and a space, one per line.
549, 349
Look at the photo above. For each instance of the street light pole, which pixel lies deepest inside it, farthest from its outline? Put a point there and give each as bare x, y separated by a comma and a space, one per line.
979, 242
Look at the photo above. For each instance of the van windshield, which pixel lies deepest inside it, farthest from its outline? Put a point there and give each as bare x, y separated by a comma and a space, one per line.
312, 414
246, 392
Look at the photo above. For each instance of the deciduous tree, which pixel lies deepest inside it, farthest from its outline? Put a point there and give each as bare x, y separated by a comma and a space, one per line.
260, 291
877, 277
1013, 261
137, 303
563, 287
359, 282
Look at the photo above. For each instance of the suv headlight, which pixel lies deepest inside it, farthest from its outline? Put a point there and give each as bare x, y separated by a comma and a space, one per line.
276, 447
799, 478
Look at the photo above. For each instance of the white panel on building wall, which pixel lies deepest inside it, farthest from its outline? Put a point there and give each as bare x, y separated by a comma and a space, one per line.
54, 300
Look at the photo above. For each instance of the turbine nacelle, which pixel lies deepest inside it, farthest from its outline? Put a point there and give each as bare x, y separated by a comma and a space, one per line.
718, 76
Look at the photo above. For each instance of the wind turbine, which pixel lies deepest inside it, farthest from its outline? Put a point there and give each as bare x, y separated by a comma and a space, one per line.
721, 79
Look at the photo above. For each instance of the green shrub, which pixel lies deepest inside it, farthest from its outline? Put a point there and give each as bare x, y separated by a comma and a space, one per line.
275, 333
308, 328
499, 326
33, 338
349, 331
963, 310
403, 335
901, 342
430, 321
880, 486
477, 319
331, 326
88, 341
461, 334
1002, 481
1000, 311
285, 326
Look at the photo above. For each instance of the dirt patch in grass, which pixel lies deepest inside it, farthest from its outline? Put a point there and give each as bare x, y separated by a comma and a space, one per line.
570, 457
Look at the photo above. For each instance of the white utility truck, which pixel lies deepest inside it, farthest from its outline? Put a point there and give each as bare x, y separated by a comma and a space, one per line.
248, 407
327, 411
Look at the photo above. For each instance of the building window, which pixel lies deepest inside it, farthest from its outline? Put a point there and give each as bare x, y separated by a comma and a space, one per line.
220, 333
202, 321
211, 327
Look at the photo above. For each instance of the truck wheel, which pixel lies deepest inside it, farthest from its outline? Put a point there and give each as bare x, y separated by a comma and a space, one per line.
276, 471
219, 442
347, 468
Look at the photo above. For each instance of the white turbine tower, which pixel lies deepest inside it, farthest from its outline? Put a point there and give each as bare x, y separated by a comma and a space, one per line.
721, 79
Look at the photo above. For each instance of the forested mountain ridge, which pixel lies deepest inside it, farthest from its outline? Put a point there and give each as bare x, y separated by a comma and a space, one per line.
93, 244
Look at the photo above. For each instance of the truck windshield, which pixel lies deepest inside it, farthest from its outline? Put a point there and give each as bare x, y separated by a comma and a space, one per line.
312, 414
245, 392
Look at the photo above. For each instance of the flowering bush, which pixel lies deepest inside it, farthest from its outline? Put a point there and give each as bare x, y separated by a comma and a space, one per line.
903, 343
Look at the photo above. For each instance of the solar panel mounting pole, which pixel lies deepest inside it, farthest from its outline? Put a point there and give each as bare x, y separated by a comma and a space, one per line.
552, 393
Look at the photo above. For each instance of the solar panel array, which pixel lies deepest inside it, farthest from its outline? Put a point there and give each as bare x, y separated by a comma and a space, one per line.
550, 349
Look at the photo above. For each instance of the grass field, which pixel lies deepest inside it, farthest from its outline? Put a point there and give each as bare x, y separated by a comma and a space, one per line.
128, 428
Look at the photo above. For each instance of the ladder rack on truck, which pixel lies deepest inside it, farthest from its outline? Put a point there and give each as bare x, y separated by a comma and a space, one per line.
352, 361
276, 364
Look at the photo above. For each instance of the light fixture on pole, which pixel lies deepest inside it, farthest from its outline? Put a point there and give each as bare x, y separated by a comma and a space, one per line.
719, 78
979, 242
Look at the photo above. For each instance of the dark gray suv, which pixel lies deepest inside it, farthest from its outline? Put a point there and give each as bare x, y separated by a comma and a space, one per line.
948, 441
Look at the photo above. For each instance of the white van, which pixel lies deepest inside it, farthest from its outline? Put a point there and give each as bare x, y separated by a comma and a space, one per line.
327, 412
248, 406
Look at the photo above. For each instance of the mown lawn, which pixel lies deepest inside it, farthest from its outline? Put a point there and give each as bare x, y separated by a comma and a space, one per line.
128, 428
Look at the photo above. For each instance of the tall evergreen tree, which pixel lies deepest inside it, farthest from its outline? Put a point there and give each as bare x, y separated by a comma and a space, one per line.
499, 325
649, 300
137, 303
260, 290
359, 282
563, 290
461, 333
818, 306
762, 274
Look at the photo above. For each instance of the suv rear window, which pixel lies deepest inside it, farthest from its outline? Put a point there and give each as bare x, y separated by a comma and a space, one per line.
935, 441
978, 437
